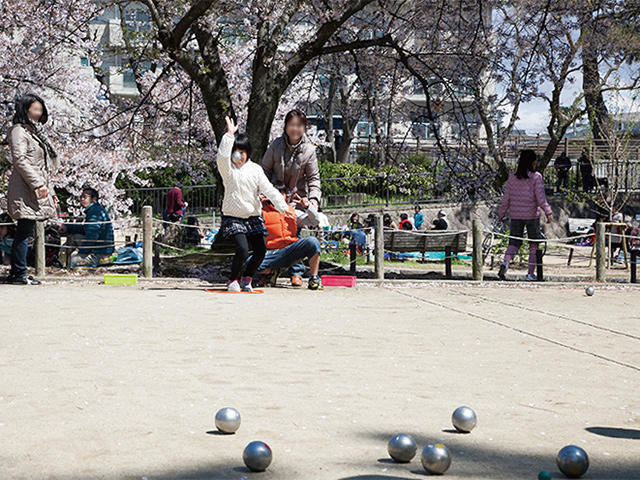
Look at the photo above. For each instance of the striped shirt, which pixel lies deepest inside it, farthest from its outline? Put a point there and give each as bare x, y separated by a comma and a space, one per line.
523, 198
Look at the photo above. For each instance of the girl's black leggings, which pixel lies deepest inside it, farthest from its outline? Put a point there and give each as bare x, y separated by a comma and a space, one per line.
259, 248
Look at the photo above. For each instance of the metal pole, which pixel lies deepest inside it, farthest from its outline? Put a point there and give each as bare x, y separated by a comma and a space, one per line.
147, 242
477, 250
379, 247
40, 259
601, 252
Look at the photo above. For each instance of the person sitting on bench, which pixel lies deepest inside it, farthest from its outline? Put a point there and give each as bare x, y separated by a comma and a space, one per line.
441, 222
94, 237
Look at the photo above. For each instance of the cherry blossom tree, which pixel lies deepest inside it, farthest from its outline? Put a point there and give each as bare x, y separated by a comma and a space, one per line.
39, 52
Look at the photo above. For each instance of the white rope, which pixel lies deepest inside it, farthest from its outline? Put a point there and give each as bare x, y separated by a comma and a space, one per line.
368, 229
610, 234
157, 220
60, 220
80, 247
169, 246
540, 240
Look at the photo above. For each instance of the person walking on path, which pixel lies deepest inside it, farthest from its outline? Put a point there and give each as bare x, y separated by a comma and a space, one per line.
523, 199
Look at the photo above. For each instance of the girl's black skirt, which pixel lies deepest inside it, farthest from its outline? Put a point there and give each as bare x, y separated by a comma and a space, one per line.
231, 226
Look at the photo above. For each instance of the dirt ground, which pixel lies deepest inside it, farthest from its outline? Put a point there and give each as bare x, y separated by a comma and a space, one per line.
123, 382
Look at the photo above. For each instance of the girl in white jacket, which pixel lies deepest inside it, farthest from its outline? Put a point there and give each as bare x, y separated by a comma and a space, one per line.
242, 219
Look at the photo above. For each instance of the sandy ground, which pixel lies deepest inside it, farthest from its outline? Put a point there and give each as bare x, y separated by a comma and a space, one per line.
123, 382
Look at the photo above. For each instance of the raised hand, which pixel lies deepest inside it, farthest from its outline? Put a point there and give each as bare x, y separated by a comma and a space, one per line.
232, 128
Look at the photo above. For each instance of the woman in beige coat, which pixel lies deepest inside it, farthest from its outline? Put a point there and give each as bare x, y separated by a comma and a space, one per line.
30, 196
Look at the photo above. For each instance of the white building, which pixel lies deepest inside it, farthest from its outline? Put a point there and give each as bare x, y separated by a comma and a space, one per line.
108, 30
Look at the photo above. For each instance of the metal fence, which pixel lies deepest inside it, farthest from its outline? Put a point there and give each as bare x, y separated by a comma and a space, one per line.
621, 176
380, 190
385, 190
339, 192
202, 199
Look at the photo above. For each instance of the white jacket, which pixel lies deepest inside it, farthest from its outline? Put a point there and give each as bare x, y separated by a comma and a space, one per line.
243, 184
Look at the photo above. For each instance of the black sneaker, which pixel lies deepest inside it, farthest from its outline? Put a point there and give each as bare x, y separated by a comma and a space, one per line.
23, 280
502, 273
315, 283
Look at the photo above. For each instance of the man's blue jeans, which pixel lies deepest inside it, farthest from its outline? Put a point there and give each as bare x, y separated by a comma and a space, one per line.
291, 255
20, 246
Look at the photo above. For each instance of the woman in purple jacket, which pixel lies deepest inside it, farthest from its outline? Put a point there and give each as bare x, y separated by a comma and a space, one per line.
523, 198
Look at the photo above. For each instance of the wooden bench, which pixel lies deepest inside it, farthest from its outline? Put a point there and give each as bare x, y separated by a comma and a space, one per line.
450, 242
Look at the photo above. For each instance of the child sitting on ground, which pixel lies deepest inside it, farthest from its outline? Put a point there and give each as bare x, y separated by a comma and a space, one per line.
243, 182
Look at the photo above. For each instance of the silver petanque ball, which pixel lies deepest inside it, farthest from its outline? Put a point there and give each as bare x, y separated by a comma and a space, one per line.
572, 461
227, 420
590, 291
402, 448
257, 456
464, 419
436, 458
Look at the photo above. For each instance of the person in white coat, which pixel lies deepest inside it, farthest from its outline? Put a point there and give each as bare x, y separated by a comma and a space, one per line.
242, 219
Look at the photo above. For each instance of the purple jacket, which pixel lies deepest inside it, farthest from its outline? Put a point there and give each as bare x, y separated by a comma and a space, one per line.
523, 198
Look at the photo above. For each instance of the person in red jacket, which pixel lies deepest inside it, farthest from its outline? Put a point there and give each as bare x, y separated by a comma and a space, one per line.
174, 206
284, 248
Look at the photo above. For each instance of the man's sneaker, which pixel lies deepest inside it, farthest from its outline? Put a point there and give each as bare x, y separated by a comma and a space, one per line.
315, 283
296, 281
24, 280
233, 286
502, 273
531, 277
245, 284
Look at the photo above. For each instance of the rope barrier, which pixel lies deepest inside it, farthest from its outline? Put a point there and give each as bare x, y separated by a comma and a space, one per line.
84, 247
609, 234
157, 220
558, 240
369, 229
169, 246
86, 223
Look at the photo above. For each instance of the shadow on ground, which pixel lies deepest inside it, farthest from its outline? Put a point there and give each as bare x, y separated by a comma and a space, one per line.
484, 462
204, 471
614, 432
468, 462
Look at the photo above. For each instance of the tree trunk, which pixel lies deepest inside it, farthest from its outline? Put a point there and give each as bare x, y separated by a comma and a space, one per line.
597, 111
348, 126
328, 114
262, 108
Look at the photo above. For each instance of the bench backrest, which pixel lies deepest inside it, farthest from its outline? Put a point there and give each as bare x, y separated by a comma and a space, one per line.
406, 241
